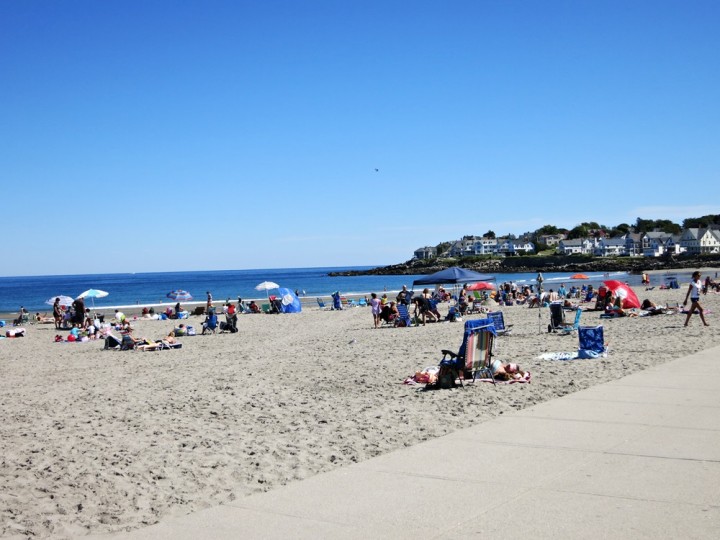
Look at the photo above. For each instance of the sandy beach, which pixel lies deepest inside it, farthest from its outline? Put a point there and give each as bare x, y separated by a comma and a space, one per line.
96, 441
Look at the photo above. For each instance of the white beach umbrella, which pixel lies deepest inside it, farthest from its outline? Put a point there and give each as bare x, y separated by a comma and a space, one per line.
266, 286
64, 300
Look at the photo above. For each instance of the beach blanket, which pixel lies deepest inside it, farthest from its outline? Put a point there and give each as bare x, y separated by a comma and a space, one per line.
581, 354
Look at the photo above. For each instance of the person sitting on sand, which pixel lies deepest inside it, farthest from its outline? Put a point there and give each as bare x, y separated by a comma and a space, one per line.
119, 316
389, 313
253, 307
179, 331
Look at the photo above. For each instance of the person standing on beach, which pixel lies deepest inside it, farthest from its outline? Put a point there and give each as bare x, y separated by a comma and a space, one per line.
209, 306
694, 294
57, 314
376, 308
539, 280
78, 312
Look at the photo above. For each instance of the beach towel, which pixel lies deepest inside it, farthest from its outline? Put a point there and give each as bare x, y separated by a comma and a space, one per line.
524, 379
558, 356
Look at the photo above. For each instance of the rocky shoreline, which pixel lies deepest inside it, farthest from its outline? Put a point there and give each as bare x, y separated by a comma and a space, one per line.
545, 264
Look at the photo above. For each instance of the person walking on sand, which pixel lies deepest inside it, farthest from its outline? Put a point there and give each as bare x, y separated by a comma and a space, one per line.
209, 305
376, 308
694, 294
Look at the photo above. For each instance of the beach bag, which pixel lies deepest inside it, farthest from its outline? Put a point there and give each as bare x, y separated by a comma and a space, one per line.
191, 331
446, 377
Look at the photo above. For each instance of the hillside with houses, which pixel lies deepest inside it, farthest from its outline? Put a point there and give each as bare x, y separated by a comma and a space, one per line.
690, 241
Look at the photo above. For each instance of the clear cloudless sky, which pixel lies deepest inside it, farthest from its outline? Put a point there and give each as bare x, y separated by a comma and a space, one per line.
161, 135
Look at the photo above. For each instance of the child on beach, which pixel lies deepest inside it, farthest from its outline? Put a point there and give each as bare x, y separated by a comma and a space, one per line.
375, 307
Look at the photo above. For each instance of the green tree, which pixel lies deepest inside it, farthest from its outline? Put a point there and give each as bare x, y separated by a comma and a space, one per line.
489, 234
547, 229
581, 231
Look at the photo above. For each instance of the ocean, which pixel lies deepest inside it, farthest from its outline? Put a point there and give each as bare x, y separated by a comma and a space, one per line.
127, 290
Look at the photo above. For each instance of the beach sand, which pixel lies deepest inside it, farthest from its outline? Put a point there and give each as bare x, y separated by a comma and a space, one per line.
99, 441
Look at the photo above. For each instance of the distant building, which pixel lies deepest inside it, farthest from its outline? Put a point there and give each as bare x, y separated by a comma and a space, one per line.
577, 246
551, 239
427, 252
610, 247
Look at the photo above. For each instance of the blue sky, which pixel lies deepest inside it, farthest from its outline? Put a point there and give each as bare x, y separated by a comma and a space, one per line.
177, 135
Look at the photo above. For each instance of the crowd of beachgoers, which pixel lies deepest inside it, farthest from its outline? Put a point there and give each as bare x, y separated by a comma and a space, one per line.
98, 437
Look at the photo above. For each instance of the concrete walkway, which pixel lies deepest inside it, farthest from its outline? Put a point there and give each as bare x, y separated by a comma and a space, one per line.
634, 458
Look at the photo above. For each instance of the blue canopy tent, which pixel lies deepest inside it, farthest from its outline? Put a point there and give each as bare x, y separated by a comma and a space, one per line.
453, 275
290, 302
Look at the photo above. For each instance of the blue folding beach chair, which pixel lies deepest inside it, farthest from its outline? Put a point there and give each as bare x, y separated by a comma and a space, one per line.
575, 326
403, 316
592, 342
498, 320
474, 357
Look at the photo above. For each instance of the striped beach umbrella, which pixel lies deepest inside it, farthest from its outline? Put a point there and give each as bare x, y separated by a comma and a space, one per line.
179, 295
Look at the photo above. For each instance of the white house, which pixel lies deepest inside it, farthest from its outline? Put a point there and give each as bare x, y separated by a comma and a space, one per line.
709, 241
485, 246
578, 246
610, 247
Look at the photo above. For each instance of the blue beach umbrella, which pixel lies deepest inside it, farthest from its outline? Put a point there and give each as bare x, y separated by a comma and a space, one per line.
179, 295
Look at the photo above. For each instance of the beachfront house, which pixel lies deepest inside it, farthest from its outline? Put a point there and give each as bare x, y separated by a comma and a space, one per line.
485, 246
633, 244
710, 241
690, 241
517, 247
610, 247
427, 252
577, 246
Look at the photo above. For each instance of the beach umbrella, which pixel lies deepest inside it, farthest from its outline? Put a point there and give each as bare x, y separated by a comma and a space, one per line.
481, 286
179, 295
629, 298
93, 293
266, 286
579, 276
64, 300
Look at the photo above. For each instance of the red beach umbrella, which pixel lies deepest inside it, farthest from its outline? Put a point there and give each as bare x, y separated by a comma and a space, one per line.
481, 286
629, 298
579, 276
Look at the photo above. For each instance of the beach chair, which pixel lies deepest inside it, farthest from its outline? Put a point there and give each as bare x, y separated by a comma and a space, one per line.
498, 320
322, 304
474, 358
403, 318
570, 328
592, 342
362, 302
211, 323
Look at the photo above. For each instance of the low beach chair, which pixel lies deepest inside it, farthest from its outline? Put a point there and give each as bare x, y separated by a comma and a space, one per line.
498, 320
570, 328
322, 305
474, 358
403, 318
211, 323
591, 342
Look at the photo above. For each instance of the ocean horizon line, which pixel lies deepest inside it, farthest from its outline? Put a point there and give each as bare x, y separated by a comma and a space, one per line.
154, 272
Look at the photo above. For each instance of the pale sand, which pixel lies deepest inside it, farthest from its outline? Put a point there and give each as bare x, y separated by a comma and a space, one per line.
97, 441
